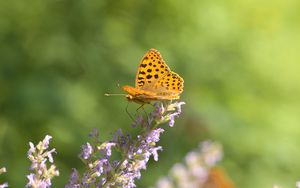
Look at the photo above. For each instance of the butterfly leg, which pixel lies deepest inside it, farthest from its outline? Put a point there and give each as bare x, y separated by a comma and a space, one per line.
144, 111
128, 112
146, 115
137, 110
140, 107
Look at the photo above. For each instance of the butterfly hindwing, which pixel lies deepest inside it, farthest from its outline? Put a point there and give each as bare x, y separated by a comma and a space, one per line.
170, 84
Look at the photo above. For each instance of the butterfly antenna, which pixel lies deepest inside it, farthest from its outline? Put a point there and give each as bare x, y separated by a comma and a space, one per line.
114, 94
117, 94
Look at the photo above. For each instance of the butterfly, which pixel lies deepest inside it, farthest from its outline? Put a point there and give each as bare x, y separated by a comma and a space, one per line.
154, 81
217, 178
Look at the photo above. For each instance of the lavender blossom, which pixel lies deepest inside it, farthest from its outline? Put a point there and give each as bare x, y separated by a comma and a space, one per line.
39, 155
4, 185
87, 150
3, 170
172, 116
195, 170
166, 114
135, 153
74, 181
139, 151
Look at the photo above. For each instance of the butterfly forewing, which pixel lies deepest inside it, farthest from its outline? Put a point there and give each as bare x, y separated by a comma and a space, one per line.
151, 69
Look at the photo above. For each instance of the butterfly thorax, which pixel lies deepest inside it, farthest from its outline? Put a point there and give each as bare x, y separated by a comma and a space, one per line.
137, 95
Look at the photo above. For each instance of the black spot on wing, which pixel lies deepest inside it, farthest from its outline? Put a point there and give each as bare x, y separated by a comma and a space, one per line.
141, 83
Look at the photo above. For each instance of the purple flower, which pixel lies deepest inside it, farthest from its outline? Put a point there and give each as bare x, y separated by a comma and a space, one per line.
122, 141
138, 121
73, 180
167, 113
135, 153
139, 152
31, 149
4, 185
103, 165
154, 152
211, 152
195, 170
49, 155
3, 170
87, 180
39, 155
154, 135
87, 150
106, 148
45, 142
94, 133
172, 107
157, 114
35, 181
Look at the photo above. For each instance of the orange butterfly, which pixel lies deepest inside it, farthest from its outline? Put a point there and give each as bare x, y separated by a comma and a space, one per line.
218, 179
154, 81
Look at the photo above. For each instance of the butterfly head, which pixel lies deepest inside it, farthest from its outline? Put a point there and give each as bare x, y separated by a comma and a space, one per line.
131, 93
129, 97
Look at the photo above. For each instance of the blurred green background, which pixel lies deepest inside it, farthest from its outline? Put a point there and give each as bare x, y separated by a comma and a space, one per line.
240, 61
